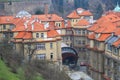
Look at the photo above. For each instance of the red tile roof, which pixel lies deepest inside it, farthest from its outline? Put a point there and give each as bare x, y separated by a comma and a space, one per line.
19, 28
23, 35
117, 31
52, 33
28, 35
76, 14
68, 24
91, 36
20, 35
116, 43
103, 37
73, 15
82, 22
36, 26
6, 19
48, 17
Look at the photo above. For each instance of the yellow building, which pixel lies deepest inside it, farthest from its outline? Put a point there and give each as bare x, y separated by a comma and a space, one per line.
33, 39
100, 39
6, 25
76, 30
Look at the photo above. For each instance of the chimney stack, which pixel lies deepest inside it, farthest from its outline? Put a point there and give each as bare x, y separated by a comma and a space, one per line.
46, 8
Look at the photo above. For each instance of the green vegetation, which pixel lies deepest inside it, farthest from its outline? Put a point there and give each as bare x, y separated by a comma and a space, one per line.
12, 67
5, 73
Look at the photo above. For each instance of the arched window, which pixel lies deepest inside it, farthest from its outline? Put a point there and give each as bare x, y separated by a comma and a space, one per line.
51, 56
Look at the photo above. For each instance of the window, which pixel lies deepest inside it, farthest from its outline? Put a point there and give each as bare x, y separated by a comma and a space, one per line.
51, 45
59, 24
4, 26
73, 20
109, 47
42, 35
79, 32
83, 32
51, 56
41, 46
11, 34
116, 50
83, 42
40, 56
79, 42
37, 35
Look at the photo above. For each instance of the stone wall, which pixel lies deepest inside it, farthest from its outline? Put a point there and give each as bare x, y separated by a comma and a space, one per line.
31, 6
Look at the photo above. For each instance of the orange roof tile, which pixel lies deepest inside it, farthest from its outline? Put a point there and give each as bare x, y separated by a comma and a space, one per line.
106, 27
103, 37
91, 36
63, 24
36, 26
51, 25
82, 22
52, 33
116, 43
20, 35
117, 31
28, 35
48, 17
23, 35
19, 28
73, 15
94, 27
68, 24
6, 19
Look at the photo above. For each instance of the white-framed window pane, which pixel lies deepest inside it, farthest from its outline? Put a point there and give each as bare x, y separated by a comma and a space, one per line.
41, 46
40, 56
37, 35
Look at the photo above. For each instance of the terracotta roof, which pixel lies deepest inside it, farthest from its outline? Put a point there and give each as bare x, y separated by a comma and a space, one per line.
93, 27
23, 35
82, 22
91, 36
48, 17
20, 35
63, 24
51, 25
103, 37
68, 24
36, 26
78, 13
117, 31
28, 35
6, 19
106, 27
73, 15
19, 28
52, 33
116, 43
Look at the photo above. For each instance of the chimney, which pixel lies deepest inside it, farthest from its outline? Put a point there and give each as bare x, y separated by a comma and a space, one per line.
32, 26
46, 8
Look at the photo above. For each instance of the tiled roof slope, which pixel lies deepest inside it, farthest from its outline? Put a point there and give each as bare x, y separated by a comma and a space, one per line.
78, 13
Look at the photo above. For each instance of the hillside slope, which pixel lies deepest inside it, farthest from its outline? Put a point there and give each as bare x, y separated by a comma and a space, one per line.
5, 73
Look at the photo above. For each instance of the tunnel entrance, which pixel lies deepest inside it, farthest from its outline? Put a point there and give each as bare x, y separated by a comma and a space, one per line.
69, 59
69, 56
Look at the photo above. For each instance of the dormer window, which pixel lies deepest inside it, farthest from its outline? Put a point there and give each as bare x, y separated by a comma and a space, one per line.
37, 35
42, 35
4, 26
